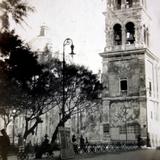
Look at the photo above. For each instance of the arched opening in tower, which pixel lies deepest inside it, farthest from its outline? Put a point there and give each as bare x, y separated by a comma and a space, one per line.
130, 33
129, 3
118, 4
117, 34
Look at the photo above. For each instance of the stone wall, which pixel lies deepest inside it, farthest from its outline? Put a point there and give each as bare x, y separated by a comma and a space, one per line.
129, 67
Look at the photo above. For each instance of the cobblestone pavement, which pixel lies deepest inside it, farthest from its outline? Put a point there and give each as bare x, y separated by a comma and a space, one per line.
133, 155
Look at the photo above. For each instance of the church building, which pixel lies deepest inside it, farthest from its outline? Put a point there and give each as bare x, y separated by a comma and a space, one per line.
130, 75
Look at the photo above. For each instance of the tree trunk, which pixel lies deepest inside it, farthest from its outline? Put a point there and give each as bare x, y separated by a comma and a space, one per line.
54, 136
31, 130
60, 124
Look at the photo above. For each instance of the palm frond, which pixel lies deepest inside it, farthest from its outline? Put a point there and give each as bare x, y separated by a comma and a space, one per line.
18, 9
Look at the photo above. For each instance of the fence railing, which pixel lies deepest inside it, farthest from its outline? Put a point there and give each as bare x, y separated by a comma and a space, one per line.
108, 147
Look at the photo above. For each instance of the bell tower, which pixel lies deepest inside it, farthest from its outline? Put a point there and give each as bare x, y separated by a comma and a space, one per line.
127, 25
130, 75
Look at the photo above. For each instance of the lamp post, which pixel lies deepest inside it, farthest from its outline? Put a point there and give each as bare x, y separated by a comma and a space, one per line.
13, 131
67, 41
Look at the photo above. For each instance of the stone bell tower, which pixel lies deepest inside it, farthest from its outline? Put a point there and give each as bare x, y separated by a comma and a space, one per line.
130, 75
127, 25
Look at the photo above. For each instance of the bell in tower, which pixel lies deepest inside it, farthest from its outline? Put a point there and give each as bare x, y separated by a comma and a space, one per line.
118, 4
130, 31
117, 34
117, 38
130, 38
129, 3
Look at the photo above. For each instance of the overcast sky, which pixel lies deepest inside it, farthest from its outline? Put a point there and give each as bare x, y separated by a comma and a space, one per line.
154, 11
81, 20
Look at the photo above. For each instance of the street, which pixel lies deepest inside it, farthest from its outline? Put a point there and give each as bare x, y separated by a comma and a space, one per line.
133, 155
149, 154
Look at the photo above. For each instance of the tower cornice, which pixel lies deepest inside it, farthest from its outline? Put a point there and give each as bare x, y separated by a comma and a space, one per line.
132, 52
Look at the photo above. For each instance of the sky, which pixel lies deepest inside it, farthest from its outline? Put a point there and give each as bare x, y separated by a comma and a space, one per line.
80, 20
83, 22
154, 12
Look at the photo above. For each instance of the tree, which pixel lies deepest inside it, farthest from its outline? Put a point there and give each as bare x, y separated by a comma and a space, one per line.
82, 90
45, 91
35, 88
8, 96
20, 62
17, 9
18, 65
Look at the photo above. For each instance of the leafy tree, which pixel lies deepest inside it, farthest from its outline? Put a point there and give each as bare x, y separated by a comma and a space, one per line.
17, 9
45, 92
82, 90
35, 88
18, 65
20, 62
8, 96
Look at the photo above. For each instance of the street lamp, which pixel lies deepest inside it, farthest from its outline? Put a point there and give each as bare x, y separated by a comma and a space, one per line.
66, 42
13, 131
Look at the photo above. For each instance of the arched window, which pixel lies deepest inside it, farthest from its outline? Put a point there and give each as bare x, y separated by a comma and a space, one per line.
130, 33
118, 4
117, 34
129, 3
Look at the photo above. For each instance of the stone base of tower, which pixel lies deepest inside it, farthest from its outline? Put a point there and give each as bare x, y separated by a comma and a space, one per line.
124, 119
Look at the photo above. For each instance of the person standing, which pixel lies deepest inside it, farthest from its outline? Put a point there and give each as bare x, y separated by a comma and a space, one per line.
82, 144
139, 141
4, 144
75, 145
20, 143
